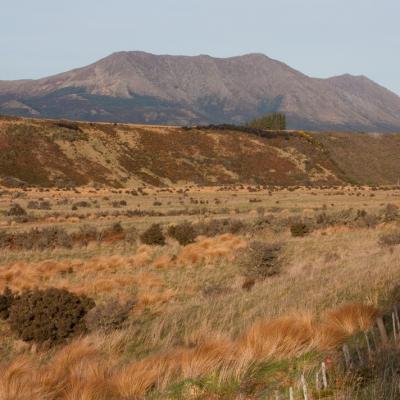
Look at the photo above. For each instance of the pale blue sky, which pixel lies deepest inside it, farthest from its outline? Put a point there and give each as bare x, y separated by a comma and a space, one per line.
318, 37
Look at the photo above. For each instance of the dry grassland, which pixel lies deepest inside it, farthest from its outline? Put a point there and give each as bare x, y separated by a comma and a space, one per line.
201, 323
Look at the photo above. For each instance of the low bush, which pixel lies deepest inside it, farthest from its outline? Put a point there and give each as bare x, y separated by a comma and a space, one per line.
119, 203
391, 212
153, 236
131, 235
260, 260
216, 227
299, 229
109, 316
16, 211
365, 220
35, 205
390, 239
184, 233
86, 234
6, 300
36, 239
51, 315
82, 204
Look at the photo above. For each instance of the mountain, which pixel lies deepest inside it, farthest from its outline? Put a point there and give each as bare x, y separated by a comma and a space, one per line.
139, 87
60, 153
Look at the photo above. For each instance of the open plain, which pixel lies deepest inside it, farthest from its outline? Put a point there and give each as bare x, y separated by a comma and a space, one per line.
201, 292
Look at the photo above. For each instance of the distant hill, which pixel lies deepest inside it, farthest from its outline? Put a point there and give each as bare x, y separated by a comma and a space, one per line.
138, 87
60, 153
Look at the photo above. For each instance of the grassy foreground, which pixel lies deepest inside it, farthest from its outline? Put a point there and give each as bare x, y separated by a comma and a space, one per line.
204, 319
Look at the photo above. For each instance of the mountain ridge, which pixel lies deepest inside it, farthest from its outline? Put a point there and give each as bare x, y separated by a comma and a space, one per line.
140, 87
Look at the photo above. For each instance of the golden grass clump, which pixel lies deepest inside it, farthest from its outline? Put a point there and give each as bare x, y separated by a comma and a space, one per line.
343, 322
80, 371
208, 249
284, 336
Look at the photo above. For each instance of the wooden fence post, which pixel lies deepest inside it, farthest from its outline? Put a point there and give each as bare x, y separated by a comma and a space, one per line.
360, 357
396, 314
368, 345
394, 327
317, 385
347, 357
374, 339
382, 331
304, 385
324, 377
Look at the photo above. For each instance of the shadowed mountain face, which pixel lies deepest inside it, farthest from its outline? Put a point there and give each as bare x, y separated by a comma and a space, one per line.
144, 88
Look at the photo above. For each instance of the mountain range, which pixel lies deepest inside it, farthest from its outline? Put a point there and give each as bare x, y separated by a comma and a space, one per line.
138, 87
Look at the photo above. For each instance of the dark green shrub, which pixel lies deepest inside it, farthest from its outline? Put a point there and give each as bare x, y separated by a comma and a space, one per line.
82, 203
391, 212
184, 233
73, 126
274, 121
51, 315
43, 205
153, 236
16, 211
47, 238
33, 205
119, 203
109, 316
117, 228
390, 239
216, 227
36, 239
6, 300
260, 260
299, 229
365, 220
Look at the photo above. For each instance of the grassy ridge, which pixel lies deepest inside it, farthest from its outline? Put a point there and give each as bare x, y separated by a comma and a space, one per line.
57, 153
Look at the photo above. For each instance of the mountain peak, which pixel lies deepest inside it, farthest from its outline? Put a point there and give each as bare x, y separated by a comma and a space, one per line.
135, 86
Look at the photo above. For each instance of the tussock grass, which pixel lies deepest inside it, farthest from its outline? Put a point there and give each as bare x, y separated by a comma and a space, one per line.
79, 368
192, 321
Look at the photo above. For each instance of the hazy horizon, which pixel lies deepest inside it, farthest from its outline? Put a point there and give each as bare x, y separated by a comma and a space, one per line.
320, 39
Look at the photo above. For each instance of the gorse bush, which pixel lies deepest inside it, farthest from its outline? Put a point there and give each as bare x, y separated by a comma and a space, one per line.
153, 236
365, 220
184, 233
47, 238
36, 239
391, 212
260, 260
390, 239
6, 300
216, 227
51, 315
299, 229
16, 211
43, 205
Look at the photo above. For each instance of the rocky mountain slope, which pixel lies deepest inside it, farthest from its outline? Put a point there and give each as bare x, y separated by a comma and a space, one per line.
60, 153
139, 87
